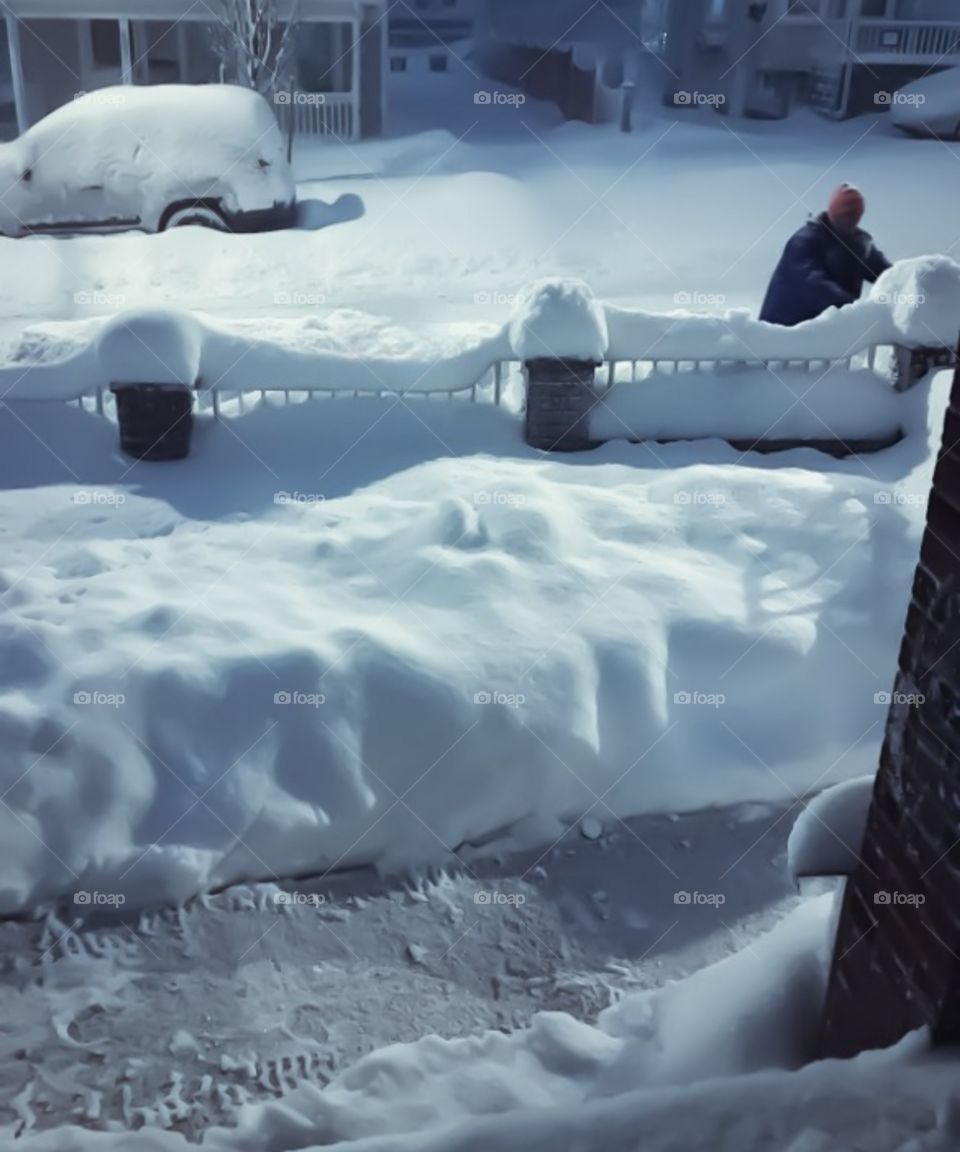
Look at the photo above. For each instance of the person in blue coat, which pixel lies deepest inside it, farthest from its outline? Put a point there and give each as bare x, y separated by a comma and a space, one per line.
825, 264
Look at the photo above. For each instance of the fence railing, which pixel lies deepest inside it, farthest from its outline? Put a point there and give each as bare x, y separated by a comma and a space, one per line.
493, 386
336, 116
906, 40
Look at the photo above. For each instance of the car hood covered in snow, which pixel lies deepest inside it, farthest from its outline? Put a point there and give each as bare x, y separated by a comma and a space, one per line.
136, 150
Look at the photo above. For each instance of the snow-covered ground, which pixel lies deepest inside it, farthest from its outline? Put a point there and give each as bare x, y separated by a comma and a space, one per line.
435, 573
689, 202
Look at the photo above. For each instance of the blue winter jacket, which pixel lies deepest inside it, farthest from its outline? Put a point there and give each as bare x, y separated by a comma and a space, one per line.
820, 268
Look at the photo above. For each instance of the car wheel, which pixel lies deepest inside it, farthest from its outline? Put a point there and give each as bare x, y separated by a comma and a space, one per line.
198, 214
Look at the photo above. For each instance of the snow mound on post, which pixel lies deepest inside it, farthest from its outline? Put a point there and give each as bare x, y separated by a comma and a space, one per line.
561, 320
924, 299
827, 836
151, 347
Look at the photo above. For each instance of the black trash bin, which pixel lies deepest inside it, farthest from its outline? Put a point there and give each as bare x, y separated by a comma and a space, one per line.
560, 394
156, 420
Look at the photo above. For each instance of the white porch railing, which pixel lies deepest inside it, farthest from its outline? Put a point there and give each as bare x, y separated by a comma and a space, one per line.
906, 41
338, 117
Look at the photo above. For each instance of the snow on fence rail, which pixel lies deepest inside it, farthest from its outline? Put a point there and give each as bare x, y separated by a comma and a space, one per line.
739, 376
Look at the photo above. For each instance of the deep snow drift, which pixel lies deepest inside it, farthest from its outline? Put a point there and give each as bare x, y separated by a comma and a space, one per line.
502, 644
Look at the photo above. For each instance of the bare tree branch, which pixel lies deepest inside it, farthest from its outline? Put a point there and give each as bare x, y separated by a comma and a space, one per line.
254, 46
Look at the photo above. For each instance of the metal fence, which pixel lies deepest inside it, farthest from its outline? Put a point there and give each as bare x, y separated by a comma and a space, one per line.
501, 378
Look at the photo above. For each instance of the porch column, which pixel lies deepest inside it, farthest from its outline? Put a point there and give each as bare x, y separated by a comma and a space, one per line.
183, 53
16, 71
355, 80
126, 52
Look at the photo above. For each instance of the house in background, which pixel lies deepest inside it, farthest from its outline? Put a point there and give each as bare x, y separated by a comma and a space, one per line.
53, 49
836, 55
428, 30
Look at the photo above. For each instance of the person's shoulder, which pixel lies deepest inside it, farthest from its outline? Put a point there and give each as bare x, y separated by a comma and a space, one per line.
809, 232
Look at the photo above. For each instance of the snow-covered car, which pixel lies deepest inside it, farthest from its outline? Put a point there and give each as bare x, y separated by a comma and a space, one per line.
149, 157
930, 106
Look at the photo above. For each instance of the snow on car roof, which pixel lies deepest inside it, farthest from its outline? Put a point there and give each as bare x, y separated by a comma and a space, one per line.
162, 139
208, 108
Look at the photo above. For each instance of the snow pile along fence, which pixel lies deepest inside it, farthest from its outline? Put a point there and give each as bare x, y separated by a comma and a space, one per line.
607, 372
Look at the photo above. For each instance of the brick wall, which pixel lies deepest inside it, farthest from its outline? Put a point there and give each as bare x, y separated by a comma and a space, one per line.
897, 966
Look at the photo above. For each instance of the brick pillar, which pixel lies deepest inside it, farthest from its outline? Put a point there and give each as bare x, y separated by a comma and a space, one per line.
896, 965
560, 394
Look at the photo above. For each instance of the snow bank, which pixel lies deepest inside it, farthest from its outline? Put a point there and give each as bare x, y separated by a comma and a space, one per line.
924, 299
826, 839
752, 402
346, 350
610, 598
737, 336
559, 319
350, 350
